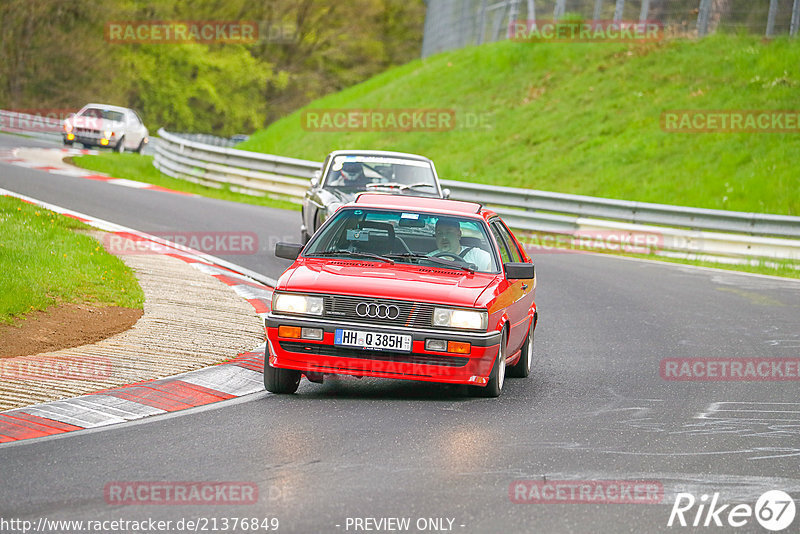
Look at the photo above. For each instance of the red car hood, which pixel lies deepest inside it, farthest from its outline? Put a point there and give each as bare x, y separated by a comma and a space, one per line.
383, 280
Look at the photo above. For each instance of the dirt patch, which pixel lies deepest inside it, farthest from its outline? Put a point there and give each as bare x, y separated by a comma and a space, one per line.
64, 326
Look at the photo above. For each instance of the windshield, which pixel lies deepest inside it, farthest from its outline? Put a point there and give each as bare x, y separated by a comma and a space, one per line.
413, 237
97, 113
358, 173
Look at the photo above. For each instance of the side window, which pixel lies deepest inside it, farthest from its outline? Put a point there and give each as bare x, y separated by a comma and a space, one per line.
501, 243
512, 246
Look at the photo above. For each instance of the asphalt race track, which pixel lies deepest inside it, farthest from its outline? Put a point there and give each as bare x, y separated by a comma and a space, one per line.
594, 408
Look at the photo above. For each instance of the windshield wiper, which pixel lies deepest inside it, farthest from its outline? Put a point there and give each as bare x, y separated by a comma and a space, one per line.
433, 259
356, 254
396, 185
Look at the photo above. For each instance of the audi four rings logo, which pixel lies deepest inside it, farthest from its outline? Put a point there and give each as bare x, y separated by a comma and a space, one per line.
377, 311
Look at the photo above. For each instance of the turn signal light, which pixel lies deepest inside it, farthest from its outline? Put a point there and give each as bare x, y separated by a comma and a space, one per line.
458, 347
289, 331
70, 137
104, 142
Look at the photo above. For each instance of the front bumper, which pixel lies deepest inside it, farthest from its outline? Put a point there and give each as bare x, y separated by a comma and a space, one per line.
327, 358
93, 138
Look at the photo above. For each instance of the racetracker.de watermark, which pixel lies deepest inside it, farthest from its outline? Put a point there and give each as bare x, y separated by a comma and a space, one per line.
48, 120
730, 121
215, 243
591, 31
55, 368
392, 120
730, 369
181, 31
582, 241
169, 493
586, 492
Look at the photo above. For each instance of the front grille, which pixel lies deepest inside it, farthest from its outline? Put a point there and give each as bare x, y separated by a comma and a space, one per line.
411, 313
414, 358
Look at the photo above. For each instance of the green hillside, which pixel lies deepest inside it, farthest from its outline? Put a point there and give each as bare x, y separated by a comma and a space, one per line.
585, 118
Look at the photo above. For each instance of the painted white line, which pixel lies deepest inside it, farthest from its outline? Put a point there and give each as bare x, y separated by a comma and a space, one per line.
117, 407
230, 379
250, 292
72, 172
128, 183
73, 413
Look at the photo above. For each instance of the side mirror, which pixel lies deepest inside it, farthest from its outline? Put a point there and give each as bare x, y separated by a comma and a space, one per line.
315, 178
288, 251
446, 193
519, 271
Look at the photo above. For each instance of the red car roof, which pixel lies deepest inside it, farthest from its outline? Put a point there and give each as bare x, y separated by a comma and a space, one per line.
382, 200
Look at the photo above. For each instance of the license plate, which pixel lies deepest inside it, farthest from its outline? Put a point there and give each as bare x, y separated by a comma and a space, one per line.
372, 340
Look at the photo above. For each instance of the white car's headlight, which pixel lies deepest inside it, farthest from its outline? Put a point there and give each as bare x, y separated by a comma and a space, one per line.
300, 304
457, 318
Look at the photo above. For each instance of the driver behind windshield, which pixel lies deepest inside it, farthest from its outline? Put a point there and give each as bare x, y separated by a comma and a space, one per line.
350, 175
448, 242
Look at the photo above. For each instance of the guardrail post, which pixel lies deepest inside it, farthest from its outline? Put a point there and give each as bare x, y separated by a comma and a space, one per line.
703, 15
481, 22
532, 12
645, 10
598, 9
559, 10
795, 18
619, 9
773, 11
513, 13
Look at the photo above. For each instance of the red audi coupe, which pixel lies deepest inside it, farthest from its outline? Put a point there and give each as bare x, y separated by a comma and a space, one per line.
413, 288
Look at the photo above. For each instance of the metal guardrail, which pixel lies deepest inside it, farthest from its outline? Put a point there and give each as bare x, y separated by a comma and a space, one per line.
694, 231
244, 171
48, 128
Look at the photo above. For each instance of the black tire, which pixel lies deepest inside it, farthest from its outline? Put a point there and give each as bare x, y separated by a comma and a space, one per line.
522, 368
318, 220
120, 147
497, 377
279, 380
140, 147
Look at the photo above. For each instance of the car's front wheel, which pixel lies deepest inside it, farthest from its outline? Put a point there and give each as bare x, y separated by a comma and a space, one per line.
497, 377
120, 148
522, 368
279, 380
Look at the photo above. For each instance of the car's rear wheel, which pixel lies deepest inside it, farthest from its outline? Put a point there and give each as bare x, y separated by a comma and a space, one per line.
279, 380
120, 148
522, 368
497, 377
140, 147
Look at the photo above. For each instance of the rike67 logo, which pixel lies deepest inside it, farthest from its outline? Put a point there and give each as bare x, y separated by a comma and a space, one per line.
774, 510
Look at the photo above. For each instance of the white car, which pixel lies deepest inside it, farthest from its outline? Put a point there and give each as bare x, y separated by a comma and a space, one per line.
106, 126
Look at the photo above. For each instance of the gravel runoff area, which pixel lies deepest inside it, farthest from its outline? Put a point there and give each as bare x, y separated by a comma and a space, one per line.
191, 320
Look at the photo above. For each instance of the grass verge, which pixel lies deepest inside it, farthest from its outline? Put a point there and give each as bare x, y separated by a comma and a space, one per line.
44, 262
585, 119
141, 169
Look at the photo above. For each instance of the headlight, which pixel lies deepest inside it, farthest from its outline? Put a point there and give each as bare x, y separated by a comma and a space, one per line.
300, 304
108, 134
456, 318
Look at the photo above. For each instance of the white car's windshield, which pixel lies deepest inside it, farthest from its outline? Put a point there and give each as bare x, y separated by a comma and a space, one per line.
360, 173
98, 113
407, 237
